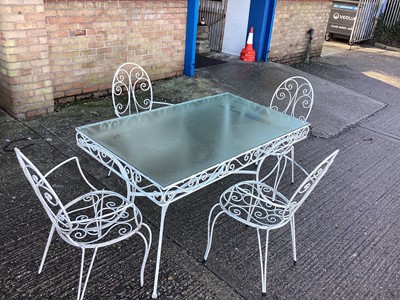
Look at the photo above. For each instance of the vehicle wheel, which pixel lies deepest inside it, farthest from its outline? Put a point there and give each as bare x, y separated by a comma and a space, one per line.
327, 36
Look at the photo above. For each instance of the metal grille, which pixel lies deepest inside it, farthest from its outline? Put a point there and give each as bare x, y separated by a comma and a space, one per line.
214, 13
392, 13
364, 23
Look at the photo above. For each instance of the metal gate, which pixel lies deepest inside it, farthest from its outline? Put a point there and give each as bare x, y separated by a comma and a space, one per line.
365, 20
214, 13
392, 13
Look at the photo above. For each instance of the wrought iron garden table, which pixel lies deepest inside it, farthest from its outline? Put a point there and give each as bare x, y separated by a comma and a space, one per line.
170, 152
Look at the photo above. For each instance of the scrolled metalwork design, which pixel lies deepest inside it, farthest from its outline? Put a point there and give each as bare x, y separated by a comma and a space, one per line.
162, 195
258, 204
263, 207
100, 216
43, 190
95, 219
294, 96
91, 220
308, 185
255, 203
131, 90
94, 150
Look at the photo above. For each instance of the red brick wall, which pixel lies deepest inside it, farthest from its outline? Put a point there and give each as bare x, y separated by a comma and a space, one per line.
292, 20
88, 40
62, 50
25, 78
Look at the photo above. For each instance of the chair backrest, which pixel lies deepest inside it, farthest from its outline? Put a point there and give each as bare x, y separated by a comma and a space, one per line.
308, 185
131, 90
294, 96
43, 190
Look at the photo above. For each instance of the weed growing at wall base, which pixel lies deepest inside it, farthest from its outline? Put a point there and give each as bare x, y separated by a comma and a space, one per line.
388, 36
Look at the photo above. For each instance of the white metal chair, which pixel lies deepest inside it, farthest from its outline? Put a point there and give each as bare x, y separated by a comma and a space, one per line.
93, 220
132, 90
294, 96
259, 205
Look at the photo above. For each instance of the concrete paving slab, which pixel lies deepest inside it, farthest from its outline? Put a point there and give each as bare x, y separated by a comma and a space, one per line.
347, 233
335, 107
368, 71
385, 122
116, 271
344, 231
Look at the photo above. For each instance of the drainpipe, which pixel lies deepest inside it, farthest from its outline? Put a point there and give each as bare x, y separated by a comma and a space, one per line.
310, 38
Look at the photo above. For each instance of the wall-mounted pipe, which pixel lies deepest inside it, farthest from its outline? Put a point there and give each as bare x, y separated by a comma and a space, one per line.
311, 34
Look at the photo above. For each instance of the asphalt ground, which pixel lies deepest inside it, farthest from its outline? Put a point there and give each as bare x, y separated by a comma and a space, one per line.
348, 233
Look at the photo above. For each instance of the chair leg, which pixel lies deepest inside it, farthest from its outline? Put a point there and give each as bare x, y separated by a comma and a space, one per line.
81, 291
263, 261
280, 169
47, 248
292, 157
293, 231
147, 246
160, 239
210, 230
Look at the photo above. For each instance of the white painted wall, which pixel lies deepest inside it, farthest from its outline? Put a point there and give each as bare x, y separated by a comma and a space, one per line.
237, 16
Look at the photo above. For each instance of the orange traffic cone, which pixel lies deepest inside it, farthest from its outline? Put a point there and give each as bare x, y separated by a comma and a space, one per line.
248, 53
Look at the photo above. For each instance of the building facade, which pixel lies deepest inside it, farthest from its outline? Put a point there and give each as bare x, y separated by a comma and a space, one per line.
65, 50
292, 21
54, 50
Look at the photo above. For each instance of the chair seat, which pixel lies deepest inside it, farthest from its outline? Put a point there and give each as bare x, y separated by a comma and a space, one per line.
100, 218
256, 204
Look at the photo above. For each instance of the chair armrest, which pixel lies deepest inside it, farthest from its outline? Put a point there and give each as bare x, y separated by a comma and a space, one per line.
79, 168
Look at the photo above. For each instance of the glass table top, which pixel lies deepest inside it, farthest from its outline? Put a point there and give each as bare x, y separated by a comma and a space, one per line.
172, 143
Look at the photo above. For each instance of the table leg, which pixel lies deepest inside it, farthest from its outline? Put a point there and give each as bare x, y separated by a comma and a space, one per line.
160, 238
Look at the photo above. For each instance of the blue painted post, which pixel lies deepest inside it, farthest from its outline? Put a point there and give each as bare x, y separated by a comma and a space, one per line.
191, 31
257, 21
270, 23
261, 17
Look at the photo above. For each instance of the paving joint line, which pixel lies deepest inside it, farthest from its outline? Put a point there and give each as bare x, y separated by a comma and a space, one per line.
387, 134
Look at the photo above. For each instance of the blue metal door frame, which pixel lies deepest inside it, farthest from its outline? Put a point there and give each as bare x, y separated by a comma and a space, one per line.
261, 18
191, 31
